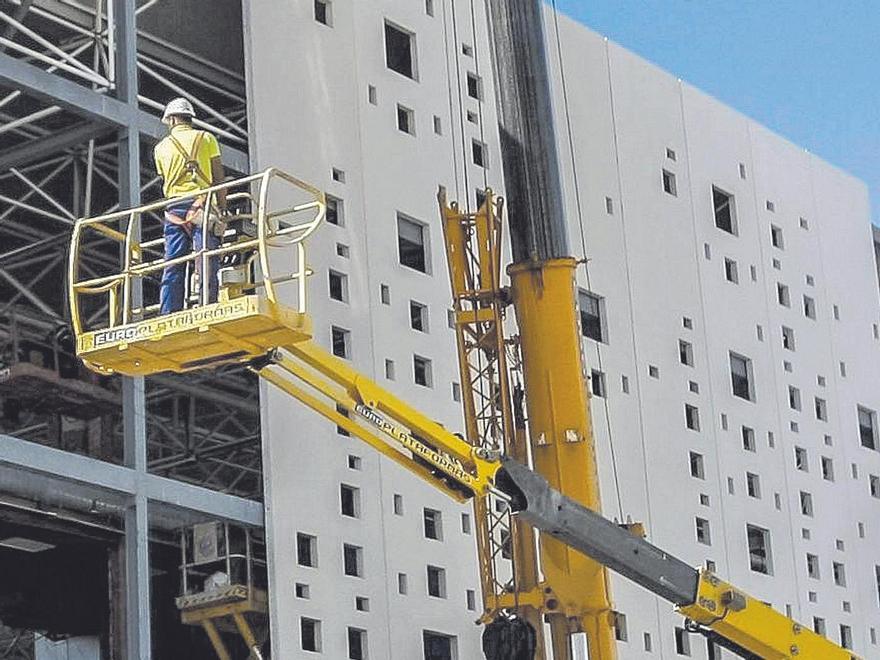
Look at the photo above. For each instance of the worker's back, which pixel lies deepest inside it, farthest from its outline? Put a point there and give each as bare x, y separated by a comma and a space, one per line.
183, 159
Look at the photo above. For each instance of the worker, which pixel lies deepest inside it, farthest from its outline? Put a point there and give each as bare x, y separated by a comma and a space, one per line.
188, 160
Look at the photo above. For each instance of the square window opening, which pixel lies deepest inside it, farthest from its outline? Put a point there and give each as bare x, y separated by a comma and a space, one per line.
400, 50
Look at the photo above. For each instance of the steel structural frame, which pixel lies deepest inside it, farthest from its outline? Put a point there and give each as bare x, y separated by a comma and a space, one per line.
104, 96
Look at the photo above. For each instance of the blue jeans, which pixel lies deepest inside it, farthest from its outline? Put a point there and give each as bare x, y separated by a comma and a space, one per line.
179, 243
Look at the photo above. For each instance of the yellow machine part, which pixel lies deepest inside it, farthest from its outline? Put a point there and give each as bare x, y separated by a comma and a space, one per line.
755, 626
562, 445
237, 330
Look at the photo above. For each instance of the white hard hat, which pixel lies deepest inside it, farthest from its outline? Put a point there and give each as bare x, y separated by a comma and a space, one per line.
178, 106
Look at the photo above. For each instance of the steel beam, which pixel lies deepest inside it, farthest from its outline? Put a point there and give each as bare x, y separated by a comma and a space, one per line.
34, 150
136, 541
137, 579
96, 106
100, 477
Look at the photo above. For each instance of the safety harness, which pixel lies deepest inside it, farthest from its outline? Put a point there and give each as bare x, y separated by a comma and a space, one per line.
192, 171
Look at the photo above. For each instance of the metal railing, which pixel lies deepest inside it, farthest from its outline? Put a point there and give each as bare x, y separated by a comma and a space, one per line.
281, 221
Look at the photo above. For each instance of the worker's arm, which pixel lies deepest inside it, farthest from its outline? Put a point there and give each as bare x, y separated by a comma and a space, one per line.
157, 161
217, 177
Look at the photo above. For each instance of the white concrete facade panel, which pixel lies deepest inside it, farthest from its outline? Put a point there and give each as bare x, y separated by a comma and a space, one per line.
322, 97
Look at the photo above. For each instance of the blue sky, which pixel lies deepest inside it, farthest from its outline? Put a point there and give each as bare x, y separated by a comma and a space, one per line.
807, 69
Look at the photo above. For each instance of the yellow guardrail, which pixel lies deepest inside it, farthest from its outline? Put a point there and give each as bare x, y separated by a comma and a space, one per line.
283, 210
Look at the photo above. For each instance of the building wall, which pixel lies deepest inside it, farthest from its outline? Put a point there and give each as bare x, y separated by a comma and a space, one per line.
657, 260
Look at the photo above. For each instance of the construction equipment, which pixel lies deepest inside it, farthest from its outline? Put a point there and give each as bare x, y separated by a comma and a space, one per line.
257, 323
223, 584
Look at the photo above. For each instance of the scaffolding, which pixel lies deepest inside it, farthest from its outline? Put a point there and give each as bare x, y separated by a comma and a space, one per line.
82, 85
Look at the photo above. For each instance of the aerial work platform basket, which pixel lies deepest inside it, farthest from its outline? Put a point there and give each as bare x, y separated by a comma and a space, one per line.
262, 250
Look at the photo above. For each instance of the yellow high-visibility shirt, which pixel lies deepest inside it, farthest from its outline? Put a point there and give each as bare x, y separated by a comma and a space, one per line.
171, 163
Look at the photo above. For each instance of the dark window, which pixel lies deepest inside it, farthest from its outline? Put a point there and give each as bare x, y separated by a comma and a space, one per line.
322, 12
846, 640
341, 340
704, 535
800, 459
418, 316
794, 397
877, 580
748, 437
692, 417
740, 376
874, 485
411, 244
731, 272
597, 383
406, 120
813, 566
759, 549
422, 371
478, 151
474, 86
620, 631
437, 646
338, 286
310, 634
685, 352
400, 50
334, 211
592, 312
809, 307
433, 524
806, 500
783, 295
682, 642
350, 501
838, 570
776, 237
723, 205
868, 427
669, 186
306, 550
353, 560
697, 467
788, 342
753, 485
357, 644
436, 582
713, 651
